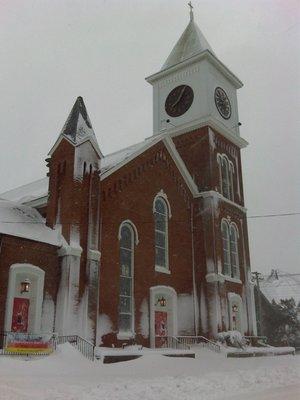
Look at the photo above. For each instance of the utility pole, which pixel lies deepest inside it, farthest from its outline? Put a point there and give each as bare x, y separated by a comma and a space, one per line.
257, 276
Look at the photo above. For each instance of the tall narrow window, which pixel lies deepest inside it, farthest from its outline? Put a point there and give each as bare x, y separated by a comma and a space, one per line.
234, 252
226, 249
161, 233
225, 178
226, 170
126, 278
230, 249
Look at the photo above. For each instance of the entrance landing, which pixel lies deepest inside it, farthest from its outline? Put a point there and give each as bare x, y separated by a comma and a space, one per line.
109, 355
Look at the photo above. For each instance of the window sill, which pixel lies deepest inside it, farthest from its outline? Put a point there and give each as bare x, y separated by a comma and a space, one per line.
162, 270
212, 277
231, 279
125, 335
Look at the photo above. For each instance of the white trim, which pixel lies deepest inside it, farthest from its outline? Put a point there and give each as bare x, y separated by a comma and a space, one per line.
171, 293
170, 146
93, 255
88, 139
213, 277
163, 270
34, 273
129, 222
148, 145
162, 194
191, 60
38, 202
230, 279
69, 251
219, 196
125, 335
231, 224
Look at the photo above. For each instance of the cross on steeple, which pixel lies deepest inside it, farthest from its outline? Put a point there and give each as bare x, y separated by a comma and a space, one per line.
191, 10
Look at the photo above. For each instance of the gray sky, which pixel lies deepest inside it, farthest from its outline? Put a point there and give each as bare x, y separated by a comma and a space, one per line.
52, 51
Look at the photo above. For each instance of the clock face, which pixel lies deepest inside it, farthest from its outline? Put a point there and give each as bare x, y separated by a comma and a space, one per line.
222, 103
179, 100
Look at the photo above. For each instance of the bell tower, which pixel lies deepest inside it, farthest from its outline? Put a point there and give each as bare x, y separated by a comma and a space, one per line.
195, 89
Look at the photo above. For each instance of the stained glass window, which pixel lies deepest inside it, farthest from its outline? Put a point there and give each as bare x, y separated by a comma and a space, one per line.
161, 233
126, 275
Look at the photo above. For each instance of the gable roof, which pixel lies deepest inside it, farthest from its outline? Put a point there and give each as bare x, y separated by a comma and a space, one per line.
28, 192
23, 221
31, 193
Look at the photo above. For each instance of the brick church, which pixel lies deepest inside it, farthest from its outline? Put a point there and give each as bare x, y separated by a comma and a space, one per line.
147, 242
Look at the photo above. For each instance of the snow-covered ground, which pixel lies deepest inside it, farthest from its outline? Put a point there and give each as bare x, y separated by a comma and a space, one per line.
66, 375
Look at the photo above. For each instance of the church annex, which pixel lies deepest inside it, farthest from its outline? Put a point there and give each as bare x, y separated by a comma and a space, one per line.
145, 243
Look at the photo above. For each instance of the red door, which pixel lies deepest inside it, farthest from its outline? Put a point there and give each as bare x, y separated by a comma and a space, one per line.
20, 315
161, 327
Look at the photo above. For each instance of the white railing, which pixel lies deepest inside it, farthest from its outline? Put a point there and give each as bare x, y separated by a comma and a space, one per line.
199, 341
172, 342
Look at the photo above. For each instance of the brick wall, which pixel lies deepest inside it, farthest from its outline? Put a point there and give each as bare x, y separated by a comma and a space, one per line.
17, 250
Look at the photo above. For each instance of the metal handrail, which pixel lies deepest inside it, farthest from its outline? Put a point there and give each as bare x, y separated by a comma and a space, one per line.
172, 342
86, 348
199, 340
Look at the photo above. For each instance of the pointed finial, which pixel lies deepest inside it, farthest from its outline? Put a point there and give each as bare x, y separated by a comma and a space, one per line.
191, 11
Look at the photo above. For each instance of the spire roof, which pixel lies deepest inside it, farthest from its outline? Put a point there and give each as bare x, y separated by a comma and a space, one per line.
190, 43
78, 127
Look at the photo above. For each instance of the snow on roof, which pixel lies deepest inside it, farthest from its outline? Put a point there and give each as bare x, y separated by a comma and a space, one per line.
39, 189
26, 222
190, 43
26, 193
113, 159
281, 285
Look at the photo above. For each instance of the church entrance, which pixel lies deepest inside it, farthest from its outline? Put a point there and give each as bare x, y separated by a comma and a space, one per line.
161, 328
235, 312
163, 315
20, 315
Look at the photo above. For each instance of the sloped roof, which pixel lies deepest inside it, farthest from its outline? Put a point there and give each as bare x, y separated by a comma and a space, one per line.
38, 189
112, 160
29, 192
78, 127
26, 222
281, 285
190, 43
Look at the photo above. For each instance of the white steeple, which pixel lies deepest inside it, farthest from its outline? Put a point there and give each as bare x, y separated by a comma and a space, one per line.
190, 43
195, 89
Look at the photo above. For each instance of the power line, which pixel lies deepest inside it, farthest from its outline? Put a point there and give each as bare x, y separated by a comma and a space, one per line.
274, 215
148, 222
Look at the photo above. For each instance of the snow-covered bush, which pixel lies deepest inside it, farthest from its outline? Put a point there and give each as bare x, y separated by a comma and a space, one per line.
231, 338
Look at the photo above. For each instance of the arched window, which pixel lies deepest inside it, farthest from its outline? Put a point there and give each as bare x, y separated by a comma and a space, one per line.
226, 176
230, 250
161, 233
126, 278
226, 249
235, 271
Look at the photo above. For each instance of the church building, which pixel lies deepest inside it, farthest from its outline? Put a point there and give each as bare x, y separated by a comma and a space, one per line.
145, 243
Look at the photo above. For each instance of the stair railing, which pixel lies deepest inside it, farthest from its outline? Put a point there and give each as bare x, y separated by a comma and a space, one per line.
199, 340
86, 348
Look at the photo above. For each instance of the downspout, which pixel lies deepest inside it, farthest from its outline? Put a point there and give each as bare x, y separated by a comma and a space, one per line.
194, 277
248, 289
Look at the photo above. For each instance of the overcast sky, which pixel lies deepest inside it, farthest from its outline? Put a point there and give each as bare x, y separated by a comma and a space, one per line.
52, 51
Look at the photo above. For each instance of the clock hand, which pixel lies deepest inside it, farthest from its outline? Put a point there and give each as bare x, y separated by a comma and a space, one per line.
179, 97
